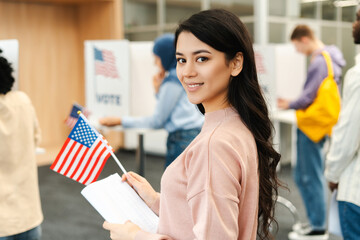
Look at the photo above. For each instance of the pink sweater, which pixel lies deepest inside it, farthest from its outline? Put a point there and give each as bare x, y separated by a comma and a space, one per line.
211, 190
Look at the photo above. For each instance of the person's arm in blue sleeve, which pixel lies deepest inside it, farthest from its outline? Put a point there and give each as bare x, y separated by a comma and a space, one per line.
167, 98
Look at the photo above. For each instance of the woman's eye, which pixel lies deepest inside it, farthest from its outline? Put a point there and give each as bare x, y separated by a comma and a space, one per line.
180, 60
202, 59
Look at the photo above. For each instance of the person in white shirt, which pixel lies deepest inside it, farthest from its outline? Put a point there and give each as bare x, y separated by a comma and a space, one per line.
20, 204
343, 159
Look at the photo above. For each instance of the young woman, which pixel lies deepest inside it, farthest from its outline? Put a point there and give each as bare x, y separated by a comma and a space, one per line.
224, 185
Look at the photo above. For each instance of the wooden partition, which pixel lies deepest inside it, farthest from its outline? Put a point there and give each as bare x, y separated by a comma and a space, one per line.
51, 36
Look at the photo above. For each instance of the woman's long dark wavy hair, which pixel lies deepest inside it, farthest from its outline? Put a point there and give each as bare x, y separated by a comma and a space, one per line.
225, 32
6, 78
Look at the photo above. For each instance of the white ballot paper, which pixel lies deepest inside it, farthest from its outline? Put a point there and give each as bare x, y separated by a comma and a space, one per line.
117, 202
334, 221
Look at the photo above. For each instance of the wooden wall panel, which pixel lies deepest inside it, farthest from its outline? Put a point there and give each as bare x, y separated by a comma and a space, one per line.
49, 66
100, 20
51, 63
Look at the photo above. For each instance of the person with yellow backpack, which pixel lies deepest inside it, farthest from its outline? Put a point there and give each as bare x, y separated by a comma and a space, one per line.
317, 111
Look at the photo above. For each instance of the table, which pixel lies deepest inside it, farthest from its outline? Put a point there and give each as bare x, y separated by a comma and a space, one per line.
284, 122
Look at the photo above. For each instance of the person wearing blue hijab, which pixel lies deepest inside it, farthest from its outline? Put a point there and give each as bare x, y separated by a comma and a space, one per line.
165, 49
173, 112
165, 60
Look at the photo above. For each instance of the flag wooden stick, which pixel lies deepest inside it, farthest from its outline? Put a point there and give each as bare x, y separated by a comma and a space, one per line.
109, 148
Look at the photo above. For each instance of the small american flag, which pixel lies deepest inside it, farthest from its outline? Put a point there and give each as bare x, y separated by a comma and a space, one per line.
105, 63
73, 116
83, 154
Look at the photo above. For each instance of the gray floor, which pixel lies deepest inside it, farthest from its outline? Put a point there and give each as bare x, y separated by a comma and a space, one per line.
69, 216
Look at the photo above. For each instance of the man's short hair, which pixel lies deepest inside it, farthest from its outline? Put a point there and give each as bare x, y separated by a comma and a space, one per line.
302, 31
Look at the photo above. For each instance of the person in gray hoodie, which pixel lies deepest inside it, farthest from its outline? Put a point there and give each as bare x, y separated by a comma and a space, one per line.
309, 170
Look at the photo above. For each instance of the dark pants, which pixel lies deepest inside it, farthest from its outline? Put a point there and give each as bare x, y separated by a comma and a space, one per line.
177, 142
32, 234
349, 214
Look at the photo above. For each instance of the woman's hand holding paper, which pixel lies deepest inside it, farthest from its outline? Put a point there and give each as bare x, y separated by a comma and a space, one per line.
126, 231
142, 187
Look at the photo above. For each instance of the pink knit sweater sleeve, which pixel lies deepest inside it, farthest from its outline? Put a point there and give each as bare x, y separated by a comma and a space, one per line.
214, 190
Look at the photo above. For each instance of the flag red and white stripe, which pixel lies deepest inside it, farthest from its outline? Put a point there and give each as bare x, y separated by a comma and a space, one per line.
70, 121
83, 154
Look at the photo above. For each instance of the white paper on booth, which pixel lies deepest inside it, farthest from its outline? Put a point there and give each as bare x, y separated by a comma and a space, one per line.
117, 202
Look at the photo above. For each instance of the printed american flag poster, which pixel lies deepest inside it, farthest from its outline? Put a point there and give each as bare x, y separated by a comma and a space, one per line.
105, 63
83, 154
107, 77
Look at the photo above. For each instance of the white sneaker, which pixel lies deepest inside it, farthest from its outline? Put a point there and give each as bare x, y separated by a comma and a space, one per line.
308, 234
300, 227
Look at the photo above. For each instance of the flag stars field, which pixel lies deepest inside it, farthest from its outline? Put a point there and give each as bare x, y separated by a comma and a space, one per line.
83, 134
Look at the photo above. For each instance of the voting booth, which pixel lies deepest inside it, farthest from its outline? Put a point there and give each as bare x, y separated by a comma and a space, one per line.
119, 82
142, 96
107, 78
282, 73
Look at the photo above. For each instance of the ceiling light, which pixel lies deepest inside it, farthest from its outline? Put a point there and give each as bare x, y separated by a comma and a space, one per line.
310, 1
346, 3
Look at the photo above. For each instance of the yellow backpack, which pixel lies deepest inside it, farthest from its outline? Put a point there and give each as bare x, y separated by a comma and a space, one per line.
317, 120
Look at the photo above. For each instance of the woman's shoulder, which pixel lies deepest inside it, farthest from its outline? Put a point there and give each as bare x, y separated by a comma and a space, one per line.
19, 95
13, 100
230, 135
232, 127
233, 135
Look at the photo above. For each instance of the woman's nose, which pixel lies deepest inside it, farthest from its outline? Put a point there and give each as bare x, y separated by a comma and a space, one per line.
189, 70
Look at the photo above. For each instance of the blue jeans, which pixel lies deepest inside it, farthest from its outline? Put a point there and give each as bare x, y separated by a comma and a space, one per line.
177, 142
349, 220
309, 177
32, 234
